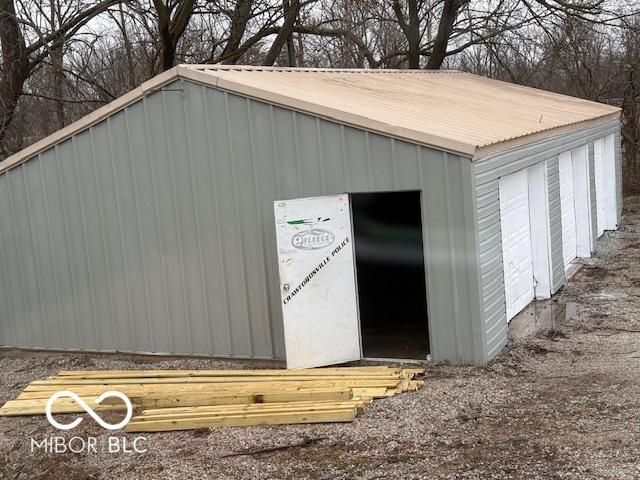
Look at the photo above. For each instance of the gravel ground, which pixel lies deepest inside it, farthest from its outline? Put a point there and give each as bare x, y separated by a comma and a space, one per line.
557, 404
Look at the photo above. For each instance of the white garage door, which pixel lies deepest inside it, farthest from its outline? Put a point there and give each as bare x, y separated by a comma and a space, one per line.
598, 157
516, 242
567, 209
605, 171
610, 187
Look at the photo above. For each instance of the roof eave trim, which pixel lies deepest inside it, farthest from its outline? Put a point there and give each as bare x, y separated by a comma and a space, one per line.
89, 120
494, 149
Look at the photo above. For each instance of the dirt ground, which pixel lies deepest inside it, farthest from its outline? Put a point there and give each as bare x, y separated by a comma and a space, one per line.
562, 403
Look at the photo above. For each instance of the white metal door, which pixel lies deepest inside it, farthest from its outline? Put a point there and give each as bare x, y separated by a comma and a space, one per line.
609, 176
567, 209
516, 242
582, 202
598, 160
317, 281
540, 233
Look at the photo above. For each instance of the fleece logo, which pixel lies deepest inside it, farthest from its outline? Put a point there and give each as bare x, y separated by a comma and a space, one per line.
312, 239
88, 409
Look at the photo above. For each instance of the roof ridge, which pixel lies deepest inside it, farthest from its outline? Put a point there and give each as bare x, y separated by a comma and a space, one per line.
258, 68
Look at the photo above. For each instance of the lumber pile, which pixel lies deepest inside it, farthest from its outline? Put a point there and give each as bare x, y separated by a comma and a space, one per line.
189, 399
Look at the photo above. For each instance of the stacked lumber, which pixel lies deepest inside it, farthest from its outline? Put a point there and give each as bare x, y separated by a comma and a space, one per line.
189, 399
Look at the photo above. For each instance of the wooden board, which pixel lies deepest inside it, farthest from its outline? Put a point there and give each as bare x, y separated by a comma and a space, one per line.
163, 400
292, 408
343, 415
14, 408
249, 406
386, 380
186, 399
325, 371
389, 382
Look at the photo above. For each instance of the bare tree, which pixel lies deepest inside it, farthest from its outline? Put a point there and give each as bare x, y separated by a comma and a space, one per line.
630, 65
448, 17
238, 21
56, 68
173, 17
410, 26
284, 33
20, 58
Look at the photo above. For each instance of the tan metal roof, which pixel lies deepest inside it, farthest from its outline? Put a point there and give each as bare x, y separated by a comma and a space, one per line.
450, 110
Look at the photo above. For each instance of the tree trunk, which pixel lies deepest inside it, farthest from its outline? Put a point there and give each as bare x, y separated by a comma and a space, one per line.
170, 30
19, 60
239, 20
300, 51
414, 35
448, 18
56, 55
630, 124
57, 62
411, 29
167, 50
15, 62
128, 48
285, 32
291, 49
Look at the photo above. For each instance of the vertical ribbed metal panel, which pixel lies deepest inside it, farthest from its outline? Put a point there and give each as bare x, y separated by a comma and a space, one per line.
491, 278
486, 174
451, 266
555, 225
153, 230
618, 147
592, 195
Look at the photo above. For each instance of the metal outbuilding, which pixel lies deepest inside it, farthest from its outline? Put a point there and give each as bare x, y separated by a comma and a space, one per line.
164, 221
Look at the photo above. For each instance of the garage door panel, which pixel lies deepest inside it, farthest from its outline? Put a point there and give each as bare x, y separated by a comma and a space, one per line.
516, 242
598, 160
610, 188
567, 209
605, 173
582, 201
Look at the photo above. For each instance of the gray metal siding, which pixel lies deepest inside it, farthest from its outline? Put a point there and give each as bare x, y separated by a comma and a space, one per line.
486, 174
618, 147
555, 225
153, 230
491, 278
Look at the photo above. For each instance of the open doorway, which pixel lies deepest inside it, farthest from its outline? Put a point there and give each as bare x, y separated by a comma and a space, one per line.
392, 297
